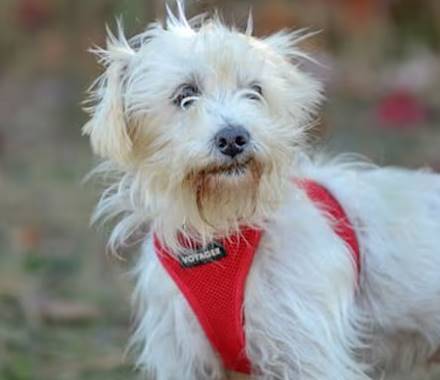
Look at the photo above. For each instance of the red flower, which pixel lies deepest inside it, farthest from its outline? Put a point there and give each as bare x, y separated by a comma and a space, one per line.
401, 109
32, 14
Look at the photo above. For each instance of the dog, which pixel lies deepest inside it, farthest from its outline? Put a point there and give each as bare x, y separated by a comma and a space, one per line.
204, 129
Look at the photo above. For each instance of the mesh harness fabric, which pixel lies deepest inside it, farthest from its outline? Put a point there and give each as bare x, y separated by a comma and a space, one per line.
213, 280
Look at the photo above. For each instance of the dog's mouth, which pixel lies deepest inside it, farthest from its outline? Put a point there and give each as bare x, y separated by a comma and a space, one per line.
233, 169
214, 176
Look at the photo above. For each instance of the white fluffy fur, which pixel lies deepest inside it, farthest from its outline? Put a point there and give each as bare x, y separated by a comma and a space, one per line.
307, 317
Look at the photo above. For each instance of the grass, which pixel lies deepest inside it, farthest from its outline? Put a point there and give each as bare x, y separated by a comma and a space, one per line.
64, 309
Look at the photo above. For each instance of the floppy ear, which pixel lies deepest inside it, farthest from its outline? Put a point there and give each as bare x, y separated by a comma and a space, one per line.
108, 128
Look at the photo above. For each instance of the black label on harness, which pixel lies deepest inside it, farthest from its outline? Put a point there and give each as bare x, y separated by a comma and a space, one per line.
212, 252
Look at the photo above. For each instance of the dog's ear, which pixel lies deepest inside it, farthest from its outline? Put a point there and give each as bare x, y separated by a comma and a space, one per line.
108, 127
306, 92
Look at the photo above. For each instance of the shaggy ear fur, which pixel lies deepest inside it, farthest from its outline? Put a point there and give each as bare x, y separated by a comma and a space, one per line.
108, 128
286, 43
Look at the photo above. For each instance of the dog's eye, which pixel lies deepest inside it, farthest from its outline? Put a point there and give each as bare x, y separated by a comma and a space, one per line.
255, 92
186, 96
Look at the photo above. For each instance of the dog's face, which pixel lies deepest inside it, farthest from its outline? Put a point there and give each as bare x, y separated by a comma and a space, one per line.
207, 117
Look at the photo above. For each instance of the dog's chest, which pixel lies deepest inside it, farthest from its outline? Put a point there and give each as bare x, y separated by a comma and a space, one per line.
287, 258
288, 279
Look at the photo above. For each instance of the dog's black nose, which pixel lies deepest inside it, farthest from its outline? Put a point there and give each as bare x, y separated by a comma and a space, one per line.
231, 141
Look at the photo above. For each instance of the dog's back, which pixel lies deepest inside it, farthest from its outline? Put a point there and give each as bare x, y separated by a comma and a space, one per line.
397, 216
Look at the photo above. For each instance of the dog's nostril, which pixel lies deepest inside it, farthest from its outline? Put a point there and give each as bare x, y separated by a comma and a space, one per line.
241, 140
222, 142
232, 141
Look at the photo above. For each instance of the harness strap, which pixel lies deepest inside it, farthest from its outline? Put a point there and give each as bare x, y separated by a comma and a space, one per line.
341, 224
213, 278
215, 291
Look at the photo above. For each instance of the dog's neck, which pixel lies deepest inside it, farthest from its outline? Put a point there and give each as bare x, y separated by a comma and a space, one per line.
221, 214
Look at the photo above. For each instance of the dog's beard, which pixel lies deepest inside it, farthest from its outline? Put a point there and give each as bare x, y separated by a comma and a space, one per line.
226, 195
214, 201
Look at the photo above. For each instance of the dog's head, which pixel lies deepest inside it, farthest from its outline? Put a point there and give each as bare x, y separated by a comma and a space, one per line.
205, 118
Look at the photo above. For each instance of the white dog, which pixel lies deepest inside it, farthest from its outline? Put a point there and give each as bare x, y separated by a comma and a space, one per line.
205, 128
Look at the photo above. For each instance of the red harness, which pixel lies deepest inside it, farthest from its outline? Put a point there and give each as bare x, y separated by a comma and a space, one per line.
213, 279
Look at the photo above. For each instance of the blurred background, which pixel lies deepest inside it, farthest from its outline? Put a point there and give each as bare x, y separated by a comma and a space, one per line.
64, 304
